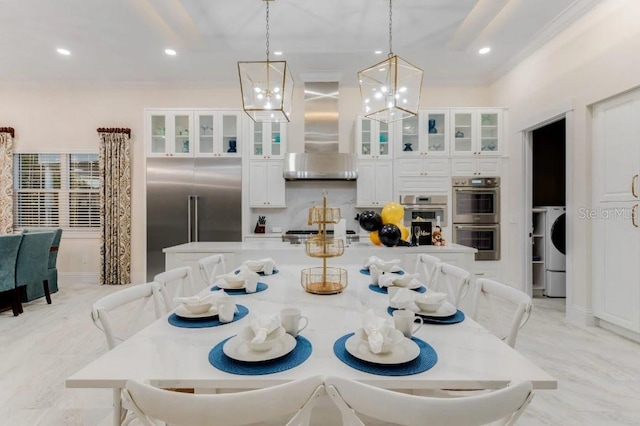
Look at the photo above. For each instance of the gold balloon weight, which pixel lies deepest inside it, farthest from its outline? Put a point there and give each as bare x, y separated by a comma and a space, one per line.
324, 280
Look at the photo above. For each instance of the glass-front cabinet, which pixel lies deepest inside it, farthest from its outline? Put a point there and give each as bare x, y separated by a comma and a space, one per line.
188, 133
476, 132
169, 133
374, 139
268, 140
427, 133
217, 133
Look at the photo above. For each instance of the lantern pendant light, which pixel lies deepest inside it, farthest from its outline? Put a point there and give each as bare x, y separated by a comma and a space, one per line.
390, 90
266, 86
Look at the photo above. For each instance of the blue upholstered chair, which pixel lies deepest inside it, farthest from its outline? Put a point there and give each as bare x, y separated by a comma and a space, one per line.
38, 291
9, 247
32, 268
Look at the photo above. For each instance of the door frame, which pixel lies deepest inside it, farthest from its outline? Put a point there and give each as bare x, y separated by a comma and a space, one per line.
526, 136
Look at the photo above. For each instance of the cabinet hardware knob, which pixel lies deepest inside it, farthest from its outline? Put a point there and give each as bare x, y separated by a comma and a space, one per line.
633, 185
633, 215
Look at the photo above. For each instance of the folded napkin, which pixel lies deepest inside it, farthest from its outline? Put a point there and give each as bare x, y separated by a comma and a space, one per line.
265, 266
200, 300
390, 266
375, 328
402, 298
394, 280
263, 325
244, 274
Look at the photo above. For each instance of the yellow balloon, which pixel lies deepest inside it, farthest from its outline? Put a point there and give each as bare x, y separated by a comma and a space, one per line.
404, 232
392, 213
373, 236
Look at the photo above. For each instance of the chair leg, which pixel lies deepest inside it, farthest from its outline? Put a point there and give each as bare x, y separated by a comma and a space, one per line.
16, 303
47, 294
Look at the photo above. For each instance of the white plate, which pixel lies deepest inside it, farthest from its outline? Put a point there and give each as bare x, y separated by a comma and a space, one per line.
225, 286
238, 349
406, 351
183, 312
446, 310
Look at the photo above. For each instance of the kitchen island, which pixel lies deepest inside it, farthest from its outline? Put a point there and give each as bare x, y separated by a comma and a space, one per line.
235, 253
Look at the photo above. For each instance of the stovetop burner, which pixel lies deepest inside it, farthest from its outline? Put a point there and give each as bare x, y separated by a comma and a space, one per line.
298, 236
314, 232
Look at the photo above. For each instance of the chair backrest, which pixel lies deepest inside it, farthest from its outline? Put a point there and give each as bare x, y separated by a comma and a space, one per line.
350, 396
33, 258
211, 267
55, 244
176, 282
119, 324
229, 409
454, 281
428, 268
504, 302
9, 247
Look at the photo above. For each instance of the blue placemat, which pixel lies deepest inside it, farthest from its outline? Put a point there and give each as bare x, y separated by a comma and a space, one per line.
427, 359
241, 291
384, 290
262, 274
364, 271
453, 319
297, 356
208, 322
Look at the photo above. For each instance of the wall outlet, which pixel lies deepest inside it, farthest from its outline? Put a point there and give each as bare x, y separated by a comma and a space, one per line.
276, 229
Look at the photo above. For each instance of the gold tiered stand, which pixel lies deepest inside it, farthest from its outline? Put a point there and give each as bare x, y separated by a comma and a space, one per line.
324, 280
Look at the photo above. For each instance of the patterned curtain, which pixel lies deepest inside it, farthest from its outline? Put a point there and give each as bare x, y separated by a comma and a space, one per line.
6, 181
115, 206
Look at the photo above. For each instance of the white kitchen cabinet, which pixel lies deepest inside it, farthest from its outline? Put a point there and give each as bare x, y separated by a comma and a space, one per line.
476, 131
470, 166
188, 133
614, 216
424, 134
375, 183
217, 133
373, 139
266, 184
168, 133
268, 140
422, 167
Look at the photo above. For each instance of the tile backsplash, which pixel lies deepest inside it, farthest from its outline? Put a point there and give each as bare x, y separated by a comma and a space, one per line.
301, 195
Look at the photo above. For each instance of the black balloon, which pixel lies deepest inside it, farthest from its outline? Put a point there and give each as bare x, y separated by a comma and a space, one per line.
389, 235
370, 221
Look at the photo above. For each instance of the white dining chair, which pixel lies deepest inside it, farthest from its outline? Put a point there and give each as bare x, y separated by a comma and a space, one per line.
428, 267
504, 303
118, 317
454, 281
211, 267
295, 398
176, 282
502, 406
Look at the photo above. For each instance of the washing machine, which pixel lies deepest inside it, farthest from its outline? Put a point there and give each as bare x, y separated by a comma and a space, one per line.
555, 252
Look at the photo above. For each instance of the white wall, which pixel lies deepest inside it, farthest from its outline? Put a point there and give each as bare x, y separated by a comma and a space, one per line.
597, 57
66, 119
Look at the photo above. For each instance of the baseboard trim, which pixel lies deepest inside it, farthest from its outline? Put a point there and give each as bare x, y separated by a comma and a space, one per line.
582, 316
632, 335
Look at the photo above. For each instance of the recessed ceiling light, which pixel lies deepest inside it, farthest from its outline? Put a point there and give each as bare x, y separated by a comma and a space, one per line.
62, 51
170, 52
378, 52
484, 50
277, 52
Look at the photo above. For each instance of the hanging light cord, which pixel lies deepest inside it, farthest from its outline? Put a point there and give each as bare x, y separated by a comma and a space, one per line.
390, 27
267, 1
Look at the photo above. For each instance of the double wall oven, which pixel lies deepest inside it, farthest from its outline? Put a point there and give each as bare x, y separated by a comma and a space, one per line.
476, 215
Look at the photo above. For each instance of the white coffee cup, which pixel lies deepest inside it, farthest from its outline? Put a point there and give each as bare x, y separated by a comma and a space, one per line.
405, 321
291, 318
226, 308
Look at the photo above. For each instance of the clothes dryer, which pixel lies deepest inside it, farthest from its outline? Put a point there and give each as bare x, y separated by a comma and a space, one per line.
555, 252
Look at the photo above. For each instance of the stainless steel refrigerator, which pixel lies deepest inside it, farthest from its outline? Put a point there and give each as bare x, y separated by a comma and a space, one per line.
191, 199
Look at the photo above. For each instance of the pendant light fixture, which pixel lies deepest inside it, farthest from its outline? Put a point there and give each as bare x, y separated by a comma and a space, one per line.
390, 90
266, 86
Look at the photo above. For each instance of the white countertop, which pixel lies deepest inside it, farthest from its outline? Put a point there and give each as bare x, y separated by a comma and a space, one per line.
230, 247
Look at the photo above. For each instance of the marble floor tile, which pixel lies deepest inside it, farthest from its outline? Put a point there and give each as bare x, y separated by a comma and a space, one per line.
598, 372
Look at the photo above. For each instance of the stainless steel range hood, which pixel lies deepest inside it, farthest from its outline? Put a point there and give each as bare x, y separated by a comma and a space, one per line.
321, 159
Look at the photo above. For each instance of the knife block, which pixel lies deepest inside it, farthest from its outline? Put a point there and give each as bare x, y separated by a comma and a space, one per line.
259, 229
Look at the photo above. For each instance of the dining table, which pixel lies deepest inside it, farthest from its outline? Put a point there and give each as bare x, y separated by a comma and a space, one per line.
463, 356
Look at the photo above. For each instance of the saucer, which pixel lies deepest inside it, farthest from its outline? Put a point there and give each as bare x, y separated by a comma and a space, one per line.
238, 349
446, 310
407, 350
182, 312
